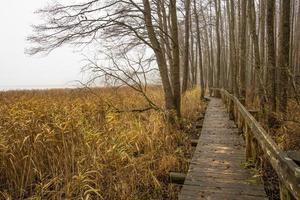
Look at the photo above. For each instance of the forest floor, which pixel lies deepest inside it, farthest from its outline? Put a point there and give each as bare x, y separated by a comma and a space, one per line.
72, 144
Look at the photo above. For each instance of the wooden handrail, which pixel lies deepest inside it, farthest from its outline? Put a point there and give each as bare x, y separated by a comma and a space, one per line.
258, 141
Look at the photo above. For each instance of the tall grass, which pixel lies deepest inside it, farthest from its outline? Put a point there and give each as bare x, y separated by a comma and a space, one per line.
69, 144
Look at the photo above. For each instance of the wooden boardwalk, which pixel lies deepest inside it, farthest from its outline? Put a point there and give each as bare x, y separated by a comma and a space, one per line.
216, 170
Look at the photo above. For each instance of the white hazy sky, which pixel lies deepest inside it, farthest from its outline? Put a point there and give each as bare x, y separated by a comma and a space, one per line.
18, 70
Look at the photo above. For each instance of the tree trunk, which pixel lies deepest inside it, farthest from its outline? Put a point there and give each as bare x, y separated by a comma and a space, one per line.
212, 65
176, 58
242, 57
185, 78
161, 61
271, 54
200, 51
262, 28
262, 34
193, 57
257, 64
218, 56
283, 57
233, 57
208, 51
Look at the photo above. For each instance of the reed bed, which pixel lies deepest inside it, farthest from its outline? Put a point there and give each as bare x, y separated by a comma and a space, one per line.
71, 144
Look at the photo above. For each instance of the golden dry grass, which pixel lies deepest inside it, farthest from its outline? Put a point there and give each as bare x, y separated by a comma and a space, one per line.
69, 144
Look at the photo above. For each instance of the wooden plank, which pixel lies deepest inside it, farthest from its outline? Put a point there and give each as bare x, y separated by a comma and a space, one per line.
228, 190
216, 170
194, 193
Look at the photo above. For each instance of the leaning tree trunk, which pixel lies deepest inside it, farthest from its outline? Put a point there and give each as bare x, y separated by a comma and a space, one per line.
160, 57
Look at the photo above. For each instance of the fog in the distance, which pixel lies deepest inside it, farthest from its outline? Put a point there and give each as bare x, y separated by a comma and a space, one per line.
17, 70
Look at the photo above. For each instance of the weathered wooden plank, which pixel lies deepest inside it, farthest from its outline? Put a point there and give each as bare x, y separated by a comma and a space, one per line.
194, 193
222, 175
234, 191
216, 170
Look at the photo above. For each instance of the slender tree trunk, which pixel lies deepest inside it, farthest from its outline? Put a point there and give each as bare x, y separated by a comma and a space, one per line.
297, 48
208, 51
218, 56
262, 35
176, 57
233, 57
200, 51
167, 39
224, 56
284, 49
185, 79
211, 70
193, 57
252, 21
242, 58
296, 55
271, 54
196, 66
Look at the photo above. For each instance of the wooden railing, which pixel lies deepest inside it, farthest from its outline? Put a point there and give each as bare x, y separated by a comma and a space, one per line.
258, 143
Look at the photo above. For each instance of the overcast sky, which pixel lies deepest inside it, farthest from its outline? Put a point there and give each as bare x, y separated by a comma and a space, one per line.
18, 70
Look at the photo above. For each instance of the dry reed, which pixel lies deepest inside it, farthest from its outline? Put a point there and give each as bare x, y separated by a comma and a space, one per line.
69, 144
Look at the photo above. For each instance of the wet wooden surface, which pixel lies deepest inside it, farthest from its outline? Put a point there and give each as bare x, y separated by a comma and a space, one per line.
217, 168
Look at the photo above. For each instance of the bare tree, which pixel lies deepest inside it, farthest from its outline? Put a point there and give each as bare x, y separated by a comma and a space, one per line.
128, 24
123, 71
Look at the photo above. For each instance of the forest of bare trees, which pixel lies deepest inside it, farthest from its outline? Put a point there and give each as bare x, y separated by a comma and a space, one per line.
248, 47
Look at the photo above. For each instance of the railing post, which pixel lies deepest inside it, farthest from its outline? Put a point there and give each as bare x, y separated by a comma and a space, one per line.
234, 112
239, 120
254, 149
231, 110
248, 142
